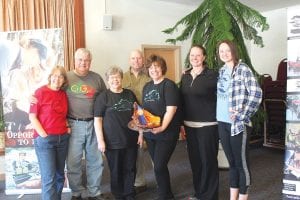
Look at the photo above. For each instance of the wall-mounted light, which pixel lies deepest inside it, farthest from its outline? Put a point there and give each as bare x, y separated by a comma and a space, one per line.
107, 22
106, 19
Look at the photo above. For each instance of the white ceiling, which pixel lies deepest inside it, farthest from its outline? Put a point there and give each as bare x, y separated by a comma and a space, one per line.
259, 5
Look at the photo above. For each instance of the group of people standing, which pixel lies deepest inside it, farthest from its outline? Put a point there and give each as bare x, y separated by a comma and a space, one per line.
69, 117
86, 119
219, 106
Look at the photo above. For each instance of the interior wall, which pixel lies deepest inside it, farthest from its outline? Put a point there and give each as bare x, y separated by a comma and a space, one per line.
265, 60
141, 22
134, 23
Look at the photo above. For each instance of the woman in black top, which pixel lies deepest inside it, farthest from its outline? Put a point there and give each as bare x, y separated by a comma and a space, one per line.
161, 98
198, 91
113, 110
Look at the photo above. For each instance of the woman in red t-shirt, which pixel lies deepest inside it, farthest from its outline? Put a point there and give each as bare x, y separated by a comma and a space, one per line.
49, 119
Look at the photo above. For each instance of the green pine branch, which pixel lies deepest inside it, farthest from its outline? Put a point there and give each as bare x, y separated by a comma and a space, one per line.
216, 20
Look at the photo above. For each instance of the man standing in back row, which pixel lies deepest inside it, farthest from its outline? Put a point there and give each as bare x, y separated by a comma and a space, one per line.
135, 79
84, 86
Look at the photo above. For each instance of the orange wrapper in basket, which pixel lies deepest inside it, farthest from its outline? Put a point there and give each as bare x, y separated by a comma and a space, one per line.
144, 118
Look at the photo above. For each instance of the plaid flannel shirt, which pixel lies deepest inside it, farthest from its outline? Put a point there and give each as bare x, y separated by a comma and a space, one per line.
245, 98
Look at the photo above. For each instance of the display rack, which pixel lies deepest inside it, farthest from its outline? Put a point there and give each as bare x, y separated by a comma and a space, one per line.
274, 124
274, 104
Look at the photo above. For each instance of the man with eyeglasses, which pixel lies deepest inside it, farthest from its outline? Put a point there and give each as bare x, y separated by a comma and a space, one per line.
84, 86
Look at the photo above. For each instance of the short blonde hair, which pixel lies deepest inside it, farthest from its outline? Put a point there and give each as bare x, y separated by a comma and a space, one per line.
63, 73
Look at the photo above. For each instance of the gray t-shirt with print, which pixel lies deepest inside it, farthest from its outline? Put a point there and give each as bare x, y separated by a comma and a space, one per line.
82, 91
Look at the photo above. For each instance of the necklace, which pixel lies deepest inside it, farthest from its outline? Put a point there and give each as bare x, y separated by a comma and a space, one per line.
195, 73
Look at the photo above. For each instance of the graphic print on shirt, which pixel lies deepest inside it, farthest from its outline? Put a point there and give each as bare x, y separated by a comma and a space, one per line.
223, 85
152, 95
123, 105
80, 88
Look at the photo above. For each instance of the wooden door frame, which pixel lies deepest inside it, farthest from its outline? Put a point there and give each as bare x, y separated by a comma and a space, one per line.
177, 56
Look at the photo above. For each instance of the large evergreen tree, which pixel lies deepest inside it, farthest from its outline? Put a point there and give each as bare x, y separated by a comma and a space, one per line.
215, 20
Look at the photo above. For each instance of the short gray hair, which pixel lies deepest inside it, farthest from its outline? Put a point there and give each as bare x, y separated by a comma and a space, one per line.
113, 70
83, 51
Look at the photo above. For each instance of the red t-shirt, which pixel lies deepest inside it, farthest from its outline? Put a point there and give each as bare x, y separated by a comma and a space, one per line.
51, 110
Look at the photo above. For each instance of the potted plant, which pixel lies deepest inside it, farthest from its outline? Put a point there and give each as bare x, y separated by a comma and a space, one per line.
216, 20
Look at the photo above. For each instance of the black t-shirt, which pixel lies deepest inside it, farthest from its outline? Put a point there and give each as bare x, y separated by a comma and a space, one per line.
199, 96
155, 99
116, 110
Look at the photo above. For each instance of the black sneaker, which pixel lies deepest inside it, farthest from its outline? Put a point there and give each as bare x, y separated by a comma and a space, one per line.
140, 189
99, 197
96, 198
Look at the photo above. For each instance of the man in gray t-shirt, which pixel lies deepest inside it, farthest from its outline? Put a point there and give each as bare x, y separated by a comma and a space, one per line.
84, 86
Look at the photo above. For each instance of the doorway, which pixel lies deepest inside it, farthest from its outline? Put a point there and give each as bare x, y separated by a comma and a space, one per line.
172, 56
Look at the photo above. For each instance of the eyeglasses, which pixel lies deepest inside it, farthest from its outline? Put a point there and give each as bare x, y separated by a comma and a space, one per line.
58, 76
83, 60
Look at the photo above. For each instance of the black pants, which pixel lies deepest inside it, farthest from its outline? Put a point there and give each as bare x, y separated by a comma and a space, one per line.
202, 146
160, 152
236, 149
122, 166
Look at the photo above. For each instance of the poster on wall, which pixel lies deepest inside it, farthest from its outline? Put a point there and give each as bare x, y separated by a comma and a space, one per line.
291, 181
292, 153
293, 64
293, 22
291, 171
26, 58
293, 107
293, 85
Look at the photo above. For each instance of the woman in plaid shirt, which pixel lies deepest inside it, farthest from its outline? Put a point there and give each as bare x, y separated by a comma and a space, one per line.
238, 98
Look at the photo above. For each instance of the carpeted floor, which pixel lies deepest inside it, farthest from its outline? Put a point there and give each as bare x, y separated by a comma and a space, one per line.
266, 167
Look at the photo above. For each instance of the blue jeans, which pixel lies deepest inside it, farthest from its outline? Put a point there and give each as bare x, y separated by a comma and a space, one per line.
83, 140
51, 153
